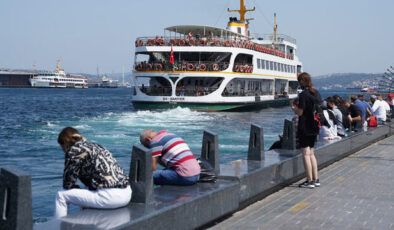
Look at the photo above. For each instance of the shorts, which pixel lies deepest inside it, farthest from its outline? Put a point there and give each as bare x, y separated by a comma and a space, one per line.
307, 141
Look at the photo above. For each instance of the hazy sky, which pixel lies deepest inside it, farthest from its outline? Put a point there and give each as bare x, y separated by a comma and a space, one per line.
332, 36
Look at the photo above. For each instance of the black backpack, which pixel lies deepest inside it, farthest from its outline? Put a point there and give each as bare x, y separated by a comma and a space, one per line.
318, 119
207, 173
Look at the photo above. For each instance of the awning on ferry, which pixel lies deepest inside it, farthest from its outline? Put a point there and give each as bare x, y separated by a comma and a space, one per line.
202, 30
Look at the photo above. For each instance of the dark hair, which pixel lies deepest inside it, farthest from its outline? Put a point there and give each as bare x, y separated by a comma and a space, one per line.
68, 137
353, 98
305, 81
336, 99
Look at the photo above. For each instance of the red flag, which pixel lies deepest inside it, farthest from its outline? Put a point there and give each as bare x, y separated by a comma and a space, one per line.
172, 57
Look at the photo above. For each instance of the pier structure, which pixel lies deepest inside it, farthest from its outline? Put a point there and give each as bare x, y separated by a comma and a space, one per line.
240, 183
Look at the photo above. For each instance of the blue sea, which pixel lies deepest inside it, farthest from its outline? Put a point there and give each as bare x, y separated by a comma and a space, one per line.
31, 119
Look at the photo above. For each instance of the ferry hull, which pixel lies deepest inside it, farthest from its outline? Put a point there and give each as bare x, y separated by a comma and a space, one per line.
212, 106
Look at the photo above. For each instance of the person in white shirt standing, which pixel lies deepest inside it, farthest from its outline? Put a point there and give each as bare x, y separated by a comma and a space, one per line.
380, 108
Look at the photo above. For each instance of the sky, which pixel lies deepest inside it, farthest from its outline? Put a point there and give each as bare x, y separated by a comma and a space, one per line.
335, 36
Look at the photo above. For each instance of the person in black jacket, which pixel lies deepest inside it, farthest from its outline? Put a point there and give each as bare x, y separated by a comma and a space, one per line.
308, 98
107, 183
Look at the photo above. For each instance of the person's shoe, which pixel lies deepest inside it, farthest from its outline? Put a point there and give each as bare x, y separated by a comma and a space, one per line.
307, 184
316, 183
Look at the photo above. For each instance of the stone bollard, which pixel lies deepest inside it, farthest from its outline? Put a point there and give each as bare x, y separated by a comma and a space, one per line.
256, 143
141, 175
15, 200
289, 135
210, 149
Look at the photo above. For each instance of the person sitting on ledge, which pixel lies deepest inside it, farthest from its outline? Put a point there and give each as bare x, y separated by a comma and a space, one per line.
181, 167
107, 184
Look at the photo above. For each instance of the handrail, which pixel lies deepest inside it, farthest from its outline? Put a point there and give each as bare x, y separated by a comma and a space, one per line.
210, 41
181, 66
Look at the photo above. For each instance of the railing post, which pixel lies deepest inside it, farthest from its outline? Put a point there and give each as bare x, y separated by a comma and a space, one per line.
289, 135
256, 143
210, 149
15, 200
141, 175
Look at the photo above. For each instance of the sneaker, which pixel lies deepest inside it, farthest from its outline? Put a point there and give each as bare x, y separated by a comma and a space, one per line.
316, 183
307, 184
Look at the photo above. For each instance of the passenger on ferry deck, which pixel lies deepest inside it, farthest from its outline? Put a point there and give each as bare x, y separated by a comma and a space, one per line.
338, 116
364, 107
380, 108
171, 151
355, 117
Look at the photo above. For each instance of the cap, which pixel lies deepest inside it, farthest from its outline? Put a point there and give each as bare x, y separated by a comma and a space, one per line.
390, 95
360, 96
373, 96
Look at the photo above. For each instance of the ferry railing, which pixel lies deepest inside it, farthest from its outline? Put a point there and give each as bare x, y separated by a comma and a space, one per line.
195, 90
270, 37
210, 41
156, 91
181, 66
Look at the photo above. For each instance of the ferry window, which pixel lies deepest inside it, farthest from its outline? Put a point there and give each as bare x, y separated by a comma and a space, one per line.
299, 69
267, 64
154, 86
207, 85
271, 65
243, 59
275, 66
293, 85
262, 64
240, 87
258, 64
239, 29
282, 68
280, 86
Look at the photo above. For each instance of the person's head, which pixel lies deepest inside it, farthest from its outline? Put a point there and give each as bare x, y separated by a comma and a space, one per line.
360, 97
346, 103
337, 100
379, 97
305, 81
68, 137
390, 96
353, 98
330, 102
146, 136
373, 98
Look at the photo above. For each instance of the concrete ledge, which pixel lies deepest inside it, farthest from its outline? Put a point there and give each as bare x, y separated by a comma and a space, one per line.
173, 207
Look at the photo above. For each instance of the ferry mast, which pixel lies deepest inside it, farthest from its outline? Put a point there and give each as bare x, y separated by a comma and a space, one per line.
242, 11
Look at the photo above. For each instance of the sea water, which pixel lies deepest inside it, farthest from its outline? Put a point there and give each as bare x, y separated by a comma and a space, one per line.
31, 119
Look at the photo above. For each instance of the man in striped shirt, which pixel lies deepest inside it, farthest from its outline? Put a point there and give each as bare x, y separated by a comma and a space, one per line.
171, 151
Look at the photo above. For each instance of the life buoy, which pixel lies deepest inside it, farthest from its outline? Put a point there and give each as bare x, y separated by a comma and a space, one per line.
239, 44
215, 67
217, 43
192, 42
203, 67
140, 43
236, 68
158, 67
173, 42
202, 43
190, 67
151, 42
149, 66
234, 43
162, 42
241, 68
181, 42
227, 43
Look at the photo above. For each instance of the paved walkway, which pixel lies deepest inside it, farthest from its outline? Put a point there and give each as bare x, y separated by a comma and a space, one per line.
356, 193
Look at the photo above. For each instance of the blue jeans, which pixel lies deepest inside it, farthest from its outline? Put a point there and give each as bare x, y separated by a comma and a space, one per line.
170, 177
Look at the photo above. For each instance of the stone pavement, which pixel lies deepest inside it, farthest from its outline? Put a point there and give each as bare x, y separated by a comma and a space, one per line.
356, 193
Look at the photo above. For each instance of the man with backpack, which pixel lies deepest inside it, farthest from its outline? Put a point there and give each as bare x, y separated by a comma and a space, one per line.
310, 119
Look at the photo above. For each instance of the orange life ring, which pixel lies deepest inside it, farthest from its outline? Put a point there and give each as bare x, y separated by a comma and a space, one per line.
202, 43
215, 67
217, 43
227, 43
181, 42
162, 42
203, 67
239, 44
149, 66
234, 43
236, 68
173, 42
241, 68
158, 67
192, 42
140, 43
190, 67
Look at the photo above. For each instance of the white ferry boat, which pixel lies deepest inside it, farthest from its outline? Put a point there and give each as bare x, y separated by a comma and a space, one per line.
213, 69
58, 79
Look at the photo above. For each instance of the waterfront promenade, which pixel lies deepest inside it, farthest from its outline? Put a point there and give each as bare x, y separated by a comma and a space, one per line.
357, 193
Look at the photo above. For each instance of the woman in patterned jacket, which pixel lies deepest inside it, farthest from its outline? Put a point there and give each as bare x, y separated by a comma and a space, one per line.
107, 184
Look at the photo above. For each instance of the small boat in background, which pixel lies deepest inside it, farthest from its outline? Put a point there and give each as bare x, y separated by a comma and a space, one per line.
366, 89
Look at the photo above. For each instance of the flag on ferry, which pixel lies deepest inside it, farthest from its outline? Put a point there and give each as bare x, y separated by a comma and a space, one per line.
172, 57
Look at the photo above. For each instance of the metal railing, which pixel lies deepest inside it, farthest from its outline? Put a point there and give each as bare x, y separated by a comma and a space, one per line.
156, 91
181, 66
279, 37
210, 41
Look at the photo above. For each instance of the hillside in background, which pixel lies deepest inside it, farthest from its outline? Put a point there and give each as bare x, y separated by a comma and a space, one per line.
347, 80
